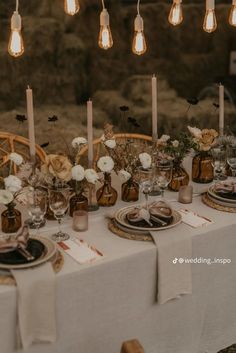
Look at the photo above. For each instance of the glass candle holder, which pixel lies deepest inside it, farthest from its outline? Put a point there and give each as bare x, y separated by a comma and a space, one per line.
186, 194
80, 221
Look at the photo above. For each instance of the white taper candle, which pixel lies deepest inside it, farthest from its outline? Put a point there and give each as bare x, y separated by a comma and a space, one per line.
90, 131
30, 117
154, 108
221, 109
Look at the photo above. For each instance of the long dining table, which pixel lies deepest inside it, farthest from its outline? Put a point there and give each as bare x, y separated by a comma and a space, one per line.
102, 304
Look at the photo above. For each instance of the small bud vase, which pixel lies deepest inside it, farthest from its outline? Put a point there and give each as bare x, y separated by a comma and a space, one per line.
11, 219
106, 194
179, 176
130, 191
202, 168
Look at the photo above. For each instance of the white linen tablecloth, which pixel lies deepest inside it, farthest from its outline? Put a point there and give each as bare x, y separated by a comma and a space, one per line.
105, 303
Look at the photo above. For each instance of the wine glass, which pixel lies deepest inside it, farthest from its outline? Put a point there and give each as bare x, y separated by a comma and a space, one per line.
59, 203
231, 159
145, 179
37, 206
163, 174
219, 162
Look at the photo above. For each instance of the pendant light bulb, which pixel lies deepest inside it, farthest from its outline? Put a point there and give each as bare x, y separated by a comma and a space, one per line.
139, 46
16, 44
105, 40
71, 7
232, 15
176, 13
210, 23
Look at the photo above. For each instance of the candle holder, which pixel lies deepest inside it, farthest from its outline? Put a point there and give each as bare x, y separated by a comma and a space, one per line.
186, 194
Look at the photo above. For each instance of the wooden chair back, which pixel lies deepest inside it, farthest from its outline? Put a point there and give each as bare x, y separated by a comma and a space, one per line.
99, 150
13, 143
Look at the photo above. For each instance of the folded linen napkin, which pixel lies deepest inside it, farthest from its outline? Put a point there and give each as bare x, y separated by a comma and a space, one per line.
36, 304
173, 277
20, 241
226, 187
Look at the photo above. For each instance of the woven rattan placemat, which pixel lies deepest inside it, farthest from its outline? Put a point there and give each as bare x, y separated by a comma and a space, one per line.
216, 206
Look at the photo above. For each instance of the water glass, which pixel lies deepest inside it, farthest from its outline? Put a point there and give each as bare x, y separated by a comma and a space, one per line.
59, 203
219, 162
231, 159
37, 207
163, 174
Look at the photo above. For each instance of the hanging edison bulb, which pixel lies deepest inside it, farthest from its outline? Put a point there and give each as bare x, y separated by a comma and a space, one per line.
176, 13
139, 46
210, 23
232, 15
16, 44
105, 37
71, 7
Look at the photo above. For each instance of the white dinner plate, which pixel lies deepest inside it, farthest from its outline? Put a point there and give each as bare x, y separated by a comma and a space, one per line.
214, 195
49, 252
120, 217
220, 202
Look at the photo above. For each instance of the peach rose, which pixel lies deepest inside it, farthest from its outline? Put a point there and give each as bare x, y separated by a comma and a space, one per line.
58, 166
208, 139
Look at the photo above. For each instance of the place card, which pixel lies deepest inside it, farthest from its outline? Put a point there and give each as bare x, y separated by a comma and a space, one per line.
80, 251
193, 219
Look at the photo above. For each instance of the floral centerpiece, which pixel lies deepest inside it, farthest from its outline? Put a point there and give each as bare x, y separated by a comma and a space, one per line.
126, 158
202, 166
10, 190
63, 170
176, 150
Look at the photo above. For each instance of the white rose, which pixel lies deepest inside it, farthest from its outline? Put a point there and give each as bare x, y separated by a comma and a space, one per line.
76, 142
175, 143
91, 176
6, 197
77, 173
105, 164
16, 158
110, 143
12, 183
145, 160
124, 175
197, 133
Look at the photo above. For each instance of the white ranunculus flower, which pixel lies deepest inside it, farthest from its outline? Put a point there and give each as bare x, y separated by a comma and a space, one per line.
12, 183
6, 197
105, 164
76, 142
91, 176
175, 143
16, 158
110, 143
163, 139
197, 133
124, 175
145, 160
77, 173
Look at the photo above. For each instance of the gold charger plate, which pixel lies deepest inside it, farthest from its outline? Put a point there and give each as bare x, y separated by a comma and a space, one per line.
50, 250
114, 228
213, 204
120, 217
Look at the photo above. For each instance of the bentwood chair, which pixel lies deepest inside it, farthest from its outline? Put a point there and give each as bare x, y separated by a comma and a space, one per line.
13, 143
138, 139
132, 346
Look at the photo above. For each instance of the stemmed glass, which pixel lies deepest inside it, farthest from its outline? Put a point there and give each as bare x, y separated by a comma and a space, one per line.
145, 180
219, 162
59, 203
37, 206
231, 159
163, 174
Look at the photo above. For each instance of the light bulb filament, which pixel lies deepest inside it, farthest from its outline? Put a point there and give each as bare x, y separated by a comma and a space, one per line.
71, 7
176, 14
232, 16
